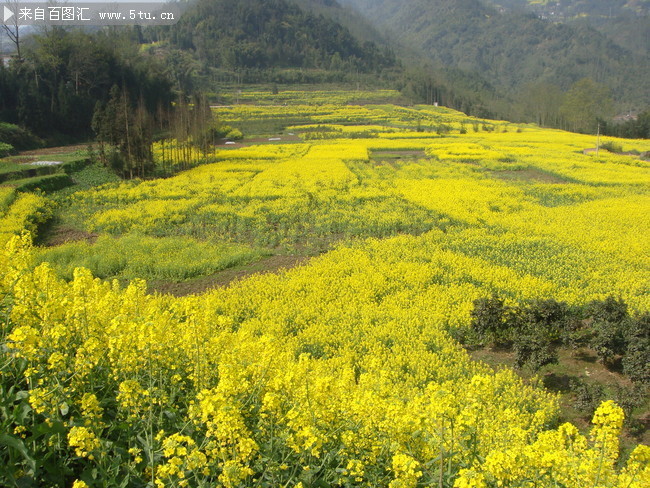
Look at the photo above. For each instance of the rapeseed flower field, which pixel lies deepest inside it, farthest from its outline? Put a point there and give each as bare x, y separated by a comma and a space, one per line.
344, 371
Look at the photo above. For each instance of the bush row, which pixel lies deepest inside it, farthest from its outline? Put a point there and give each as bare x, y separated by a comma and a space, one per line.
46, 183
34, 171
536, 329
6, 150
19, 138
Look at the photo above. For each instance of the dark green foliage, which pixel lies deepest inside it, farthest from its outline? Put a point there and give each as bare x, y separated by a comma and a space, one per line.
534, 350
587, 396
490, 320
18, 137
47, 183
638, 128
64, 73
636, 363
609, 325
270, 34
611, 309
612, 147
608, 342
124, 133
537, 328
549, 318
629, 399
6, 150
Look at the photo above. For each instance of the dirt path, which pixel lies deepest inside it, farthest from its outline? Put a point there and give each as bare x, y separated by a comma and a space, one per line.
57, 235
271, 264
55, 150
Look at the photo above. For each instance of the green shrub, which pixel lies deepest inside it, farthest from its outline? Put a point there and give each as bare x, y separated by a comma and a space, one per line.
636, 362
534, 350
47, 183
613, 147
18, 137
549, 317
75, 165
490, 320
630, 399
6, 150
609, 310
609, 325
587, 397
235, 135
608, 341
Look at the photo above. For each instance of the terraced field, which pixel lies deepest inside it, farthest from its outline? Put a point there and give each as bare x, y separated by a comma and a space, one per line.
347, 370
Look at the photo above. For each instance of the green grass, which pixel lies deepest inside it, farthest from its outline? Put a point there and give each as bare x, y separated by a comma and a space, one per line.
150, 258
86, 178
8, 166
46, 183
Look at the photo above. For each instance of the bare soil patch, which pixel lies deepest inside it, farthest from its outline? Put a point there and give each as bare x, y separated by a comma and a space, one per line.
577, 365
55, 150
276, 139
58, 235
272, 264
392, 155
530, 174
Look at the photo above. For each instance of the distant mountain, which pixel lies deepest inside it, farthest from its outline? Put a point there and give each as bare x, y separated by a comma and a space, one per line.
511, 47
273, 34
357, 24
632, 33
570, 9
626, 22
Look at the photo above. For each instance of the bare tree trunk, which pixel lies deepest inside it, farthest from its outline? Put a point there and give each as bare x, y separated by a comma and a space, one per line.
128, 138
12, 30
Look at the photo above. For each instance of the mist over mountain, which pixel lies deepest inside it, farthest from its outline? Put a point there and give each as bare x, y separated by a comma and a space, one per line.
564, 10
626, 22
512, 46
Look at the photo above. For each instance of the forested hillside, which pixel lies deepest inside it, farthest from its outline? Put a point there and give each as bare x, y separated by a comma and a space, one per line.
569, 9
63, 75
514, 49
271, 34
625, 22
54, 87
485, 59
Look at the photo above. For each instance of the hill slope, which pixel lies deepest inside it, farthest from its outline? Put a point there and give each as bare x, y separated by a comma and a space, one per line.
625, 22
512, 48
271, 33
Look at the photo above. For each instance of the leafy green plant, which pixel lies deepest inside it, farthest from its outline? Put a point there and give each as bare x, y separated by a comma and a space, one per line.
18, 137
636, 362
490, 320
546, 316
587, 396
6, 149
47, 183
534, 350
613, 147
609, 326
